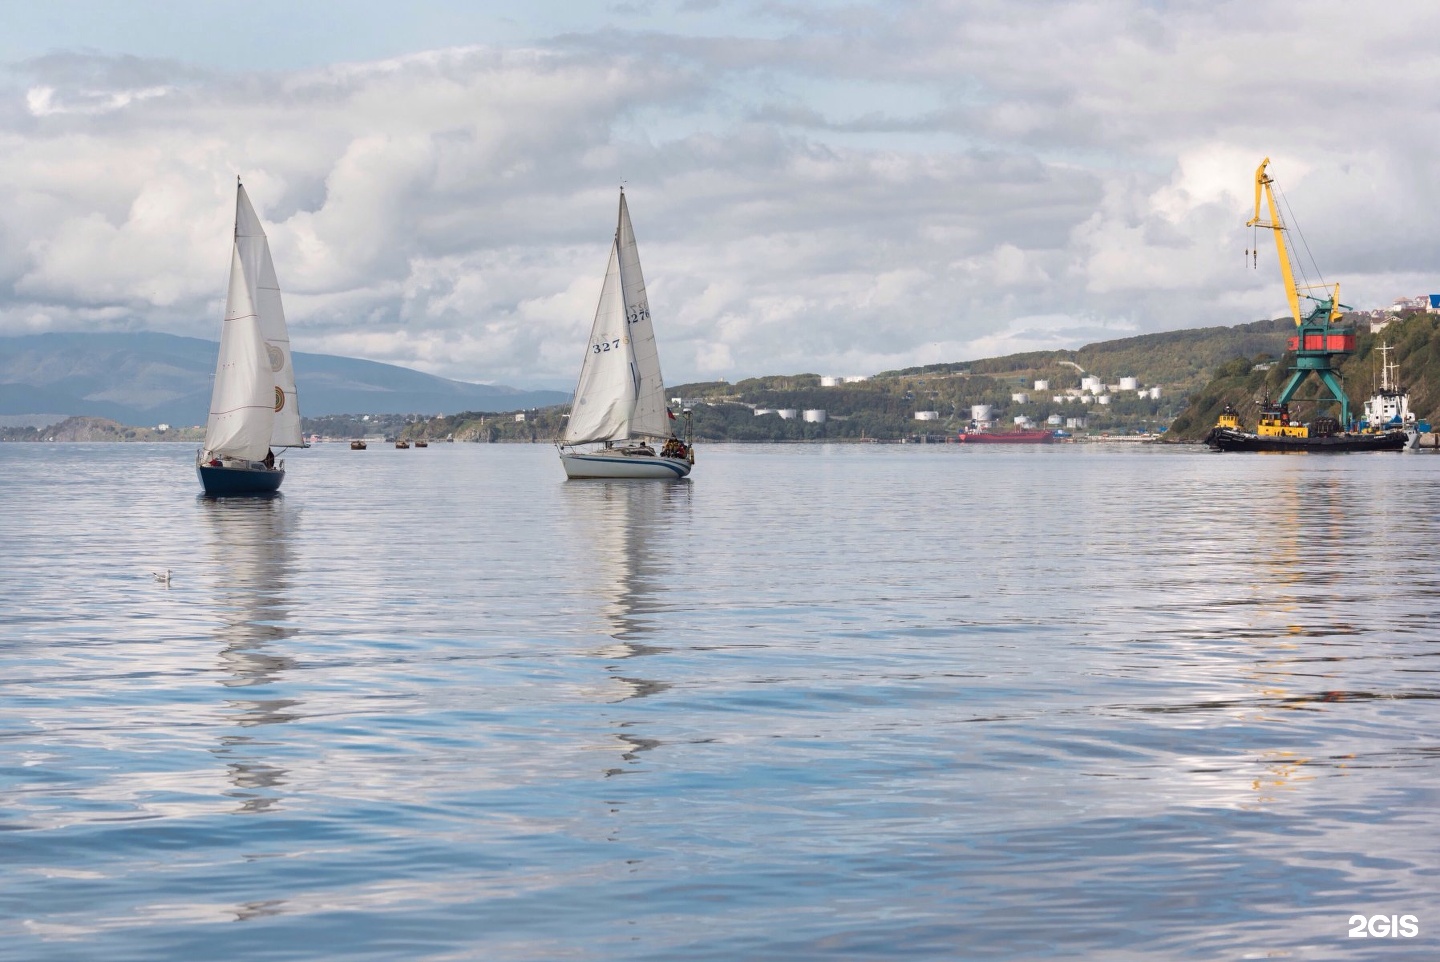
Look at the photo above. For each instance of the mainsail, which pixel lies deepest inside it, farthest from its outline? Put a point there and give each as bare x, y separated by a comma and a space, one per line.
605, 394
242, 402
651, 419
254, 251
253, 403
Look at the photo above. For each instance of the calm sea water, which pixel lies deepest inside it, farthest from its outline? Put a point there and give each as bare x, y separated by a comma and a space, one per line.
904, 702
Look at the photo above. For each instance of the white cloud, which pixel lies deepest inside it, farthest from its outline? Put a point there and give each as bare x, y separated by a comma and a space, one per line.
837, 187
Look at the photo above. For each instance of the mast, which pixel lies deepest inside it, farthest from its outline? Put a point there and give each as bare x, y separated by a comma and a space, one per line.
651, 417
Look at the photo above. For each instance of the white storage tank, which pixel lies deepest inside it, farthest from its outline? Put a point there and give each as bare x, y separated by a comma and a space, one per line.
1154, 393
1055, 420
1103, 399
1042, 385
856, 378
1092, 384
1075, 422
787, 413
1129, 384
1023, 421
814, 415
927, 415
829, 381
980, 412
1020, 397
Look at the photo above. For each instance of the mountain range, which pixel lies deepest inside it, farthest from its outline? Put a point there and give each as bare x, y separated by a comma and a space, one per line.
149, 378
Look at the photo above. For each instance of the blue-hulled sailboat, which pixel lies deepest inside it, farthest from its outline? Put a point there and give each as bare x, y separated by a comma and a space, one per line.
253, 406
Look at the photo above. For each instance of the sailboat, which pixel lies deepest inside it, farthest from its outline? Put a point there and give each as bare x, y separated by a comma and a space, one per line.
619, 405
253, 407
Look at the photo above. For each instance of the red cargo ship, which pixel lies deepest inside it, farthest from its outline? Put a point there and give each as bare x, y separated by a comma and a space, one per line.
1008, 437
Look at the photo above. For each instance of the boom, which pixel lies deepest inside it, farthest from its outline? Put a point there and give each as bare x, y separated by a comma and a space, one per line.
1292, 292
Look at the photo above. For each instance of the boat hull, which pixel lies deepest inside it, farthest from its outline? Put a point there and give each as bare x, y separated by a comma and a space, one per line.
229, 482
618, 466
1008, 437
1226, 439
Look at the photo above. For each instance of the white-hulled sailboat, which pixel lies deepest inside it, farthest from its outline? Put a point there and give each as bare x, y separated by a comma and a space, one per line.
619, 405
253, 407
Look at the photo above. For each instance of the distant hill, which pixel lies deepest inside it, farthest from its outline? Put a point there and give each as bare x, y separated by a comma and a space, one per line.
148, 378
1178, 363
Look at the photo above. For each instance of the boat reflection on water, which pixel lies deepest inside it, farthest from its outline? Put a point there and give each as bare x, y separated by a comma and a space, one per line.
251, 565
621, 532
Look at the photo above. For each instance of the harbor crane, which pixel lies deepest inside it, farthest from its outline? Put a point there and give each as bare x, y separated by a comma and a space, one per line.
1318, 341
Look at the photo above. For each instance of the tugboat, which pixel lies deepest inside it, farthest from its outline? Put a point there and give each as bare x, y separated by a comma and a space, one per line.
1277, 432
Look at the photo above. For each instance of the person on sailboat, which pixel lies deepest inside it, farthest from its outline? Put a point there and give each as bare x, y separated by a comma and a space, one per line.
269, 461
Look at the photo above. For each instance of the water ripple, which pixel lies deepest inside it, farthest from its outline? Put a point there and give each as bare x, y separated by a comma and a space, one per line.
859, 702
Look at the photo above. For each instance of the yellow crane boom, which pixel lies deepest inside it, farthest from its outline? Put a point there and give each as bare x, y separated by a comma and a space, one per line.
1292, 292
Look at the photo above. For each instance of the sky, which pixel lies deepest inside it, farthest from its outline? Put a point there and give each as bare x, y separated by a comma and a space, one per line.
825, 187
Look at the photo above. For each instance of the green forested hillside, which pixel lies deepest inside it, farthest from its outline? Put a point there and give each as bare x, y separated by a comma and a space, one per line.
1245, 382
1181, 362
884, 407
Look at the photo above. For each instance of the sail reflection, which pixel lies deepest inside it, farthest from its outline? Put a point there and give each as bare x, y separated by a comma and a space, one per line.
249, 552
621, 528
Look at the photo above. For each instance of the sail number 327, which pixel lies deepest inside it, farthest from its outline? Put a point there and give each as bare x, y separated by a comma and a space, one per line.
604, 346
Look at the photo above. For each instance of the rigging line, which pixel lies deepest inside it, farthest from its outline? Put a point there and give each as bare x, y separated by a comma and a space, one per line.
1290, 216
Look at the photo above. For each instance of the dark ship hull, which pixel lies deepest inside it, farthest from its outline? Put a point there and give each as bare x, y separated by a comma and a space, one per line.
1228, 439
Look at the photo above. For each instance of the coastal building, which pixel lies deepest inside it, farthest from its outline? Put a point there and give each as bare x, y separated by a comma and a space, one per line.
927, 415
1075, 423
520, 417
814, 415
856, 378
828, 380
760, 411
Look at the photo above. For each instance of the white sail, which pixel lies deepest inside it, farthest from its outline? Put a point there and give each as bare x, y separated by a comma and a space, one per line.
605, 394
242, 402
651, 419
254, 252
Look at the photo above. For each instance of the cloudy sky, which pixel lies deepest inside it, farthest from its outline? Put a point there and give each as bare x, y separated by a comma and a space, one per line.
834, 187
